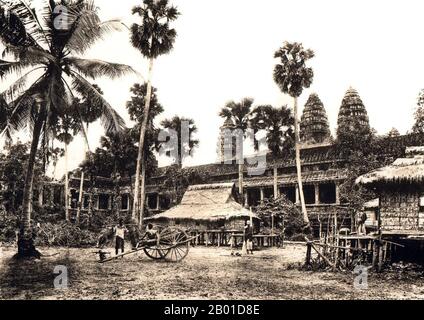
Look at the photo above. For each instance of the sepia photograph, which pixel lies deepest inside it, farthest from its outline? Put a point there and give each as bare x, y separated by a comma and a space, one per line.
226, 153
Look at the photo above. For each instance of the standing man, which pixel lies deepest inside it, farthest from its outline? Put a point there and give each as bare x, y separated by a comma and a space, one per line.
120, 230
248, 232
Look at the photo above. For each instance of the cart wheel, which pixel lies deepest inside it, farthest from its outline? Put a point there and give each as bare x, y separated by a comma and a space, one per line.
175, 240
155, 253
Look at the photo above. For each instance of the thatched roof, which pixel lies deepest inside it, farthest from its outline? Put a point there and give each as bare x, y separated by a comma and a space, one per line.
207, 203
404, 170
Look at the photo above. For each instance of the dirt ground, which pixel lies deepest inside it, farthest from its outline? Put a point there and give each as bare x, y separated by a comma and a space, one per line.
206, 273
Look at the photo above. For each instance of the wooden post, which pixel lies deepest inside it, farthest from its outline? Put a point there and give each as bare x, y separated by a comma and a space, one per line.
40, 195
380, 257
308, 253
158, 202
297, 195
246, 198
262, 195
316, 188
375, 254
337, 193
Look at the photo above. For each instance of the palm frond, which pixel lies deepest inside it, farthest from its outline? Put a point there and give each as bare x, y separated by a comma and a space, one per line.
98, 68
29, 18
88, 29
29, 54
23, 109
17, 87
9, 67
110, 119
13, 30
78, 113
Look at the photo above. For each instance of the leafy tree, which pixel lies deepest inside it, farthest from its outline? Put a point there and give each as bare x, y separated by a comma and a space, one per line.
179, 179
89, 111
48, 44
136, 109
12, 174
419, 114
239, 114
278, 124
287, 217
292, 75
69, 124
153, 37
393, 133
186, 145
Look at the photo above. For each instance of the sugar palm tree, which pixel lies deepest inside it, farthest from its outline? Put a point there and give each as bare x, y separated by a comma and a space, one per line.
36, 45
153, 37
239, 113
185, 145
292, 75
278, 123
67, 127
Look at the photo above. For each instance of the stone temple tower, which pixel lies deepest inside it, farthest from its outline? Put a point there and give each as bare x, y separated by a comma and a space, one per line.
221, 145
353, 115
314, 126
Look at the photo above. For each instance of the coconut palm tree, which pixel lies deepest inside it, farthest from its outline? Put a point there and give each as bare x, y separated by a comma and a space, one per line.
185, 145
39, 47
239, 113
292, 75
278, 123
153, 37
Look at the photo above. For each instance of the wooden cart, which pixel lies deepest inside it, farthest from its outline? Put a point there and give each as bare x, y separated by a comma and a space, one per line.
171, 244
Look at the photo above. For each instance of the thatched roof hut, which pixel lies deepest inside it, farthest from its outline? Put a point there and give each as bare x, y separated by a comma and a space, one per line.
403, 171
209, 203
400, 188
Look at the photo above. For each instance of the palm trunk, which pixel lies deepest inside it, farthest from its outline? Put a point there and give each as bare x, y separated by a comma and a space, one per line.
298, 164
66, 185
136, 207
275, 195
81, 189
143, 192
240, 180
80, 198
275, 181
26, 246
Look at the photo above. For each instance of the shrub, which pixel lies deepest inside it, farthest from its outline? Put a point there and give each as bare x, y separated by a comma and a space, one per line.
285, 214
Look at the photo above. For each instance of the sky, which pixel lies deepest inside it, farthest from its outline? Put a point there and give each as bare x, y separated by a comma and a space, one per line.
224, 51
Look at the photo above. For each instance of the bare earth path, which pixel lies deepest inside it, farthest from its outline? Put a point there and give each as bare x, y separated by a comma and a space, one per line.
206, 273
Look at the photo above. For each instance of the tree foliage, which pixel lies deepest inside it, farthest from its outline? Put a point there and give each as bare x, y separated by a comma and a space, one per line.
154, 37
186, 145
419, 114
286, 215
12, 174
238, 112
291, 73
278, 124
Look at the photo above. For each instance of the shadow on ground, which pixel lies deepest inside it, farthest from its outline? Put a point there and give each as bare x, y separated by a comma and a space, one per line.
26, 279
